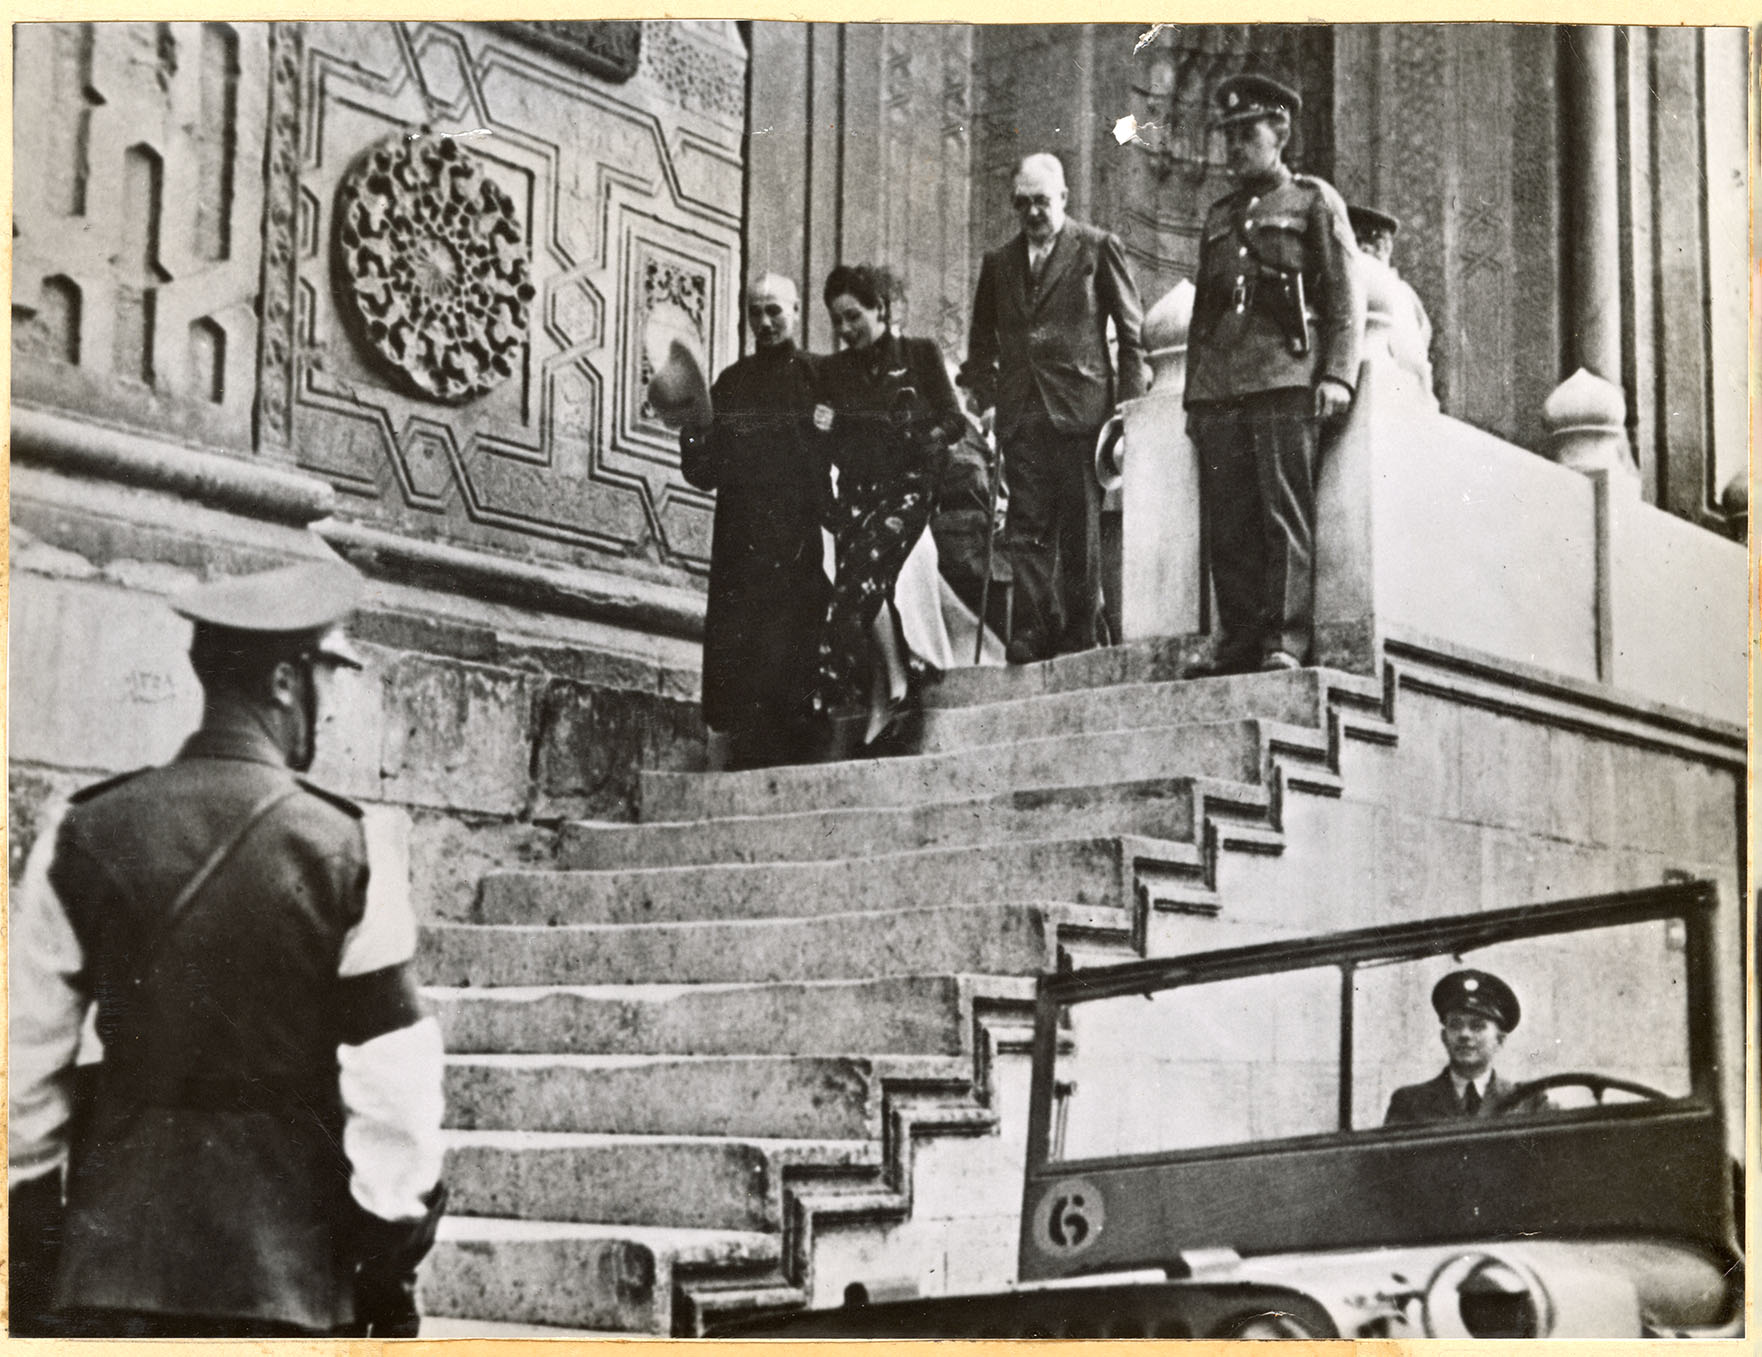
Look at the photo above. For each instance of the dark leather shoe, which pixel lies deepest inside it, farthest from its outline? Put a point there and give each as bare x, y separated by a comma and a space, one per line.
1024, 650
1279, 661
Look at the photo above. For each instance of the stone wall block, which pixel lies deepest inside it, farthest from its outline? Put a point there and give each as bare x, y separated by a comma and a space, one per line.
964, 1177
1334, 849
588, 744
1582, 789
1521, 869
351, 730
1504, 765
908, 1253
1657, 808
450, 854
455, 736
1420, 774
123, 694
1431, 867
1716, 814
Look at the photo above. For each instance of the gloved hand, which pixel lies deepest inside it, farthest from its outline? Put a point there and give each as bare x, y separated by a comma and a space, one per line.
34, 1250
388, 1252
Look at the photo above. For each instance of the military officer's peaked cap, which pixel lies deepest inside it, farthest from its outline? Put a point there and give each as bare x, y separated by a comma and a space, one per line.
1369, 221
297, 607
1242, 98
1477, 992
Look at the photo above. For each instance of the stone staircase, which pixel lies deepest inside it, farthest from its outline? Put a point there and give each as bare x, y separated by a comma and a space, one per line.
706, 1042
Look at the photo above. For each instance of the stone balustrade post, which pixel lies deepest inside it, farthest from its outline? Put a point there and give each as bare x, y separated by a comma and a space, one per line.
1586, 423
1163, 569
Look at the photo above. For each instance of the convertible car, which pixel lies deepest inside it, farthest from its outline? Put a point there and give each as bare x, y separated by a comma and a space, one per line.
1208, 1157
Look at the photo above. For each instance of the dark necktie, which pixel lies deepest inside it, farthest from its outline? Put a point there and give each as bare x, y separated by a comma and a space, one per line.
1471, 1101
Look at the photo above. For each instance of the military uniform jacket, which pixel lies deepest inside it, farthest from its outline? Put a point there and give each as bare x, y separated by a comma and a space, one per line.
1435, 1100
205, 907
1047, 341
1278, 302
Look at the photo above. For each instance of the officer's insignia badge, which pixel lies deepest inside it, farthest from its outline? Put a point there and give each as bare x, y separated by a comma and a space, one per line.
823, 417
1471, 985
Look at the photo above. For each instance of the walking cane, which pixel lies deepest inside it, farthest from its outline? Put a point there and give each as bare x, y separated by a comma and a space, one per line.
990, 545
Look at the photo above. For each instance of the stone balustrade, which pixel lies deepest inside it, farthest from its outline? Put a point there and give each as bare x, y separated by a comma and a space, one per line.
1434, 534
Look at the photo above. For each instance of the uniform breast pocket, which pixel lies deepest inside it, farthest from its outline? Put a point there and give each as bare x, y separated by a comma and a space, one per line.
1279, 243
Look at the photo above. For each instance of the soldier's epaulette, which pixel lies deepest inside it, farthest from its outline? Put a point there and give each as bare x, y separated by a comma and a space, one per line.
342, 803
98, 789
1316, 184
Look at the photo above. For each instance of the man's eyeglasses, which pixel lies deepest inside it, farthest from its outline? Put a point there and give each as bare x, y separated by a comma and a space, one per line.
1024, 201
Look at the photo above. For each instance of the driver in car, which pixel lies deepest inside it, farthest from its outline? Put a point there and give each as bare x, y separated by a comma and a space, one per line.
1478, 1010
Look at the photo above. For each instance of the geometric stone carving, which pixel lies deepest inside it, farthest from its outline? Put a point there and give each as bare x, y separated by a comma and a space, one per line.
609, 48
433, 263
136, 232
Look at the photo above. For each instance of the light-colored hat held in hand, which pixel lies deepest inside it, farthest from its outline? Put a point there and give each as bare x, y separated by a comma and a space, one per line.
678, 392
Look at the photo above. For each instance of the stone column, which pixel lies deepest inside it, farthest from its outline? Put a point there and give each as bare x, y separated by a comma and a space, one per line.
1595, 200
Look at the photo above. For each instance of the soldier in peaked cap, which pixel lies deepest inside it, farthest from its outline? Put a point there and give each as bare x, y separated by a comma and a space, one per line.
257, 1152
1477, 1011
1409, 327
1278, 319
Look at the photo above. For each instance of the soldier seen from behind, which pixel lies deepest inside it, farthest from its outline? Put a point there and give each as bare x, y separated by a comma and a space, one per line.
257, 1152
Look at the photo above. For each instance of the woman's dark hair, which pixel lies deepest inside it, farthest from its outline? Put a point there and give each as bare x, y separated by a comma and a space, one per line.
874, 288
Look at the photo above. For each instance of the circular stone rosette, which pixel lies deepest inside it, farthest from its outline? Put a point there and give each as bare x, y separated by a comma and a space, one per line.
432, 266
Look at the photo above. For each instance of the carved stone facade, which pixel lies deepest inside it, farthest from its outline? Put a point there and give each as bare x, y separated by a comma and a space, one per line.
599, 183
1480, 233
136, 233
451, 336
862, 153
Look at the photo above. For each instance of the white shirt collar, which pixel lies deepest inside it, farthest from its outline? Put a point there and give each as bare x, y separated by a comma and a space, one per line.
1480, 1083
1038, 253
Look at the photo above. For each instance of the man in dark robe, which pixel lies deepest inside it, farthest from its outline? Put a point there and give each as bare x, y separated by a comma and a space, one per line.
755, 447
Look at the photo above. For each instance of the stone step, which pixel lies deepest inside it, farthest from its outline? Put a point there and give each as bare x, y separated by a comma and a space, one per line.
1155, 661
912, 1015
613, 1279
982, 939
1096, 871
699, 1182
1227, 750
1295, 697
1158, 808
798, 1097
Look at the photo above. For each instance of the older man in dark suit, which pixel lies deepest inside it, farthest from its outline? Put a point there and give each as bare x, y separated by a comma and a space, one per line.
1477, 1011
1038, 355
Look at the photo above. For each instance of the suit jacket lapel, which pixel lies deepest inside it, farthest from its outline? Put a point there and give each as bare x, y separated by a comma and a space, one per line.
1064, 250
1019, 277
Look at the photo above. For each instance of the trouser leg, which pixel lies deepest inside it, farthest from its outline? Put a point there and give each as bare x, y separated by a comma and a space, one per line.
1031, 533
1286, 437
1054, 533
1079, 544
1229, 492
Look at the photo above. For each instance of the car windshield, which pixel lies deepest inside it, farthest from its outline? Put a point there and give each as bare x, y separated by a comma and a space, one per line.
1600, 1016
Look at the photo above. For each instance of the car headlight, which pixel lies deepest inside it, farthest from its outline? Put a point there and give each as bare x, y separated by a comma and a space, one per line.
1528, 1294
1477, 1295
